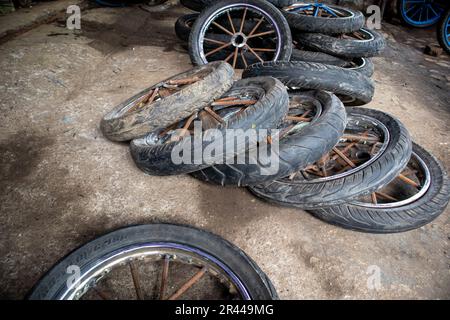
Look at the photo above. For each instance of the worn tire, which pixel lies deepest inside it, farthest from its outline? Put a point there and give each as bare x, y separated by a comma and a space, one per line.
316, 193
317, 57
345, 48
183, 26
316, 76
258, 285
285, 40
429, 206
295, 152
301, 22
362, 65
120, 124
266, 113
199, 5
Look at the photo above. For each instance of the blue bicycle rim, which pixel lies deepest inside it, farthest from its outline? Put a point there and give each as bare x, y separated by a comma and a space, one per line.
421, 13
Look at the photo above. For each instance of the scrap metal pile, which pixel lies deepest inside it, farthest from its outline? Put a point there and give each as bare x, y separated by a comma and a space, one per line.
351, 166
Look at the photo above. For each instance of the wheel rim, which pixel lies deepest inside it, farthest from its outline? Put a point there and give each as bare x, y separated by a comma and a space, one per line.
365, 139
245, 45
318, 10
411, 184
362, 35
217, 113
303, 110
421, 12
158, 251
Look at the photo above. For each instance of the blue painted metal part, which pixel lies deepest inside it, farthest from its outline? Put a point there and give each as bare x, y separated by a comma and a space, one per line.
421, 13
316, 7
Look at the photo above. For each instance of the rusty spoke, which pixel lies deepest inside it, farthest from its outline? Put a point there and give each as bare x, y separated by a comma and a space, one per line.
256, 27
231, 22
243, 20
165, 274
254, 53
222, 28
344, 157
152, 97
214, 41
299, 119
408, 181
233, 102
184, 130
374, 198
243, 59
218, 49
229, 56
360, 138
235, 57
214, 115
385, 196
183, 81
261, 34
136, 280
264, 49
188, 284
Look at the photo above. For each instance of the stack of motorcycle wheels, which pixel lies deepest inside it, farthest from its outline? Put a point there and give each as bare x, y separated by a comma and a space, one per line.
350, 166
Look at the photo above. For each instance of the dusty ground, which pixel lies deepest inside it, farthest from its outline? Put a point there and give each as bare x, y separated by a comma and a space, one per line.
62, 183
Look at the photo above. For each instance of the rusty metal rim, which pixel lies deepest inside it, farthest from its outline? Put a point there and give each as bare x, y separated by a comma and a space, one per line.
386, 139
424, 188
157, 250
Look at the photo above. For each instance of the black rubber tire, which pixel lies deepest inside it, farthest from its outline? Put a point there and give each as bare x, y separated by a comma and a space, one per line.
314, 194
295, 151
269, 9
253, 278
199, 5
306, 23
362, 65
345, 48
183, 26
121, 125
316, 76
317, 57
266, 113
441, 32
398, 219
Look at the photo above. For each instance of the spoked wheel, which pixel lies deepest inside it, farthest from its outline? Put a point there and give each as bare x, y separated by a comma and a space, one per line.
444, 32
220, 111
318, 10
416, 197
314, 123
323, 18
409, 186
166, 102
261, 34
363, 142
372, 152
421, 13
255, 103
160, 261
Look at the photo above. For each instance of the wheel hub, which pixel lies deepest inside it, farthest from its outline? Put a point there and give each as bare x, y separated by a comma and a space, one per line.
239, 40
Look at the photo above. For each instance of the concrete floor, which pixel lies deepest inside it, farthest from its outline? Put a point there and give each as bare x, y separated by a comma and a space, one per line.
62, 183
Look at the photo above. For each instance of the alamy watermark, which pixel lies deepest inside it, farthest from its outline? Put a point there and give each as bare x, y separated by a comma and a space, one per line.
229, 146
73, 22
